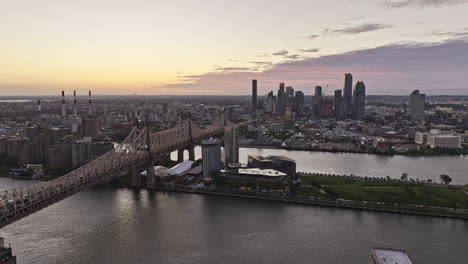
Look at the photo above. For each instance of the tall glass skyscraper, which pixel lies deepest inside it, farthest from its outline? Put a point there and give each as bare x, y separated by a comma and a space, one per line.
348, 95
359, 100
338, 103
254, 98
231, 145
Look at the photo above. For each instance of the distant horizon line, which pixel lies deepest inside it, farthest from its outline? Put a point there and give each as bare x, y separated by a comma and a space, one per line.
194, 95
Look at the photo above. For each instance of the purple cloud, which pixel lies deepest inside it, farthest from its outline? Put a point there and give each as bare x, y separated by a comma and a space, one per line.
419, 3
390, 69
367, 27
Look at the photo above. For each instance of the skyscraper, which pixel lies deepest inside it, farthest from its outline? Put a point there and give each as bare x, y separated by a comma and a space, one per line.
318, 90
299, 102
231, 144
347, 95
289, 92
254, 98
417, 103
281, 99
211, 157
338, 103
359, 100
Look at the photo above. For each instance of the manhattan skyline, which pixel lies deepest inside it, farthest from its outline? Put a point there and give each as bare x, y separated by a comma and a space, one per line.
210, 47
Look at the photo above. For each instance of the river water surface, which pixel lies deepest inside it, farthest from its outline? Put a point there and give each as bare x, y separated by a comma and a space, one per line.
429, 167
120, 225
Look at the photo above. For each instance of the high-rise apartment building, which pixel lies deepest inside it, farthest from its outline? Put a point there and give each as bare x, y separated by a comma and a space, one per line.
254, 98
347, 95
90, 126
318, 90
211, 157
289, 92
359, 100
417, 103
299, 102
231, 144
325, 108
281, 100
338, 103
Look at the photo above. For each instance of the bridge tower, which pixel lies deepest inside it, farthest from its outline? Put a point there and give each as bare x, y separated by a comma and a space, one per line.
150, 177
191, 148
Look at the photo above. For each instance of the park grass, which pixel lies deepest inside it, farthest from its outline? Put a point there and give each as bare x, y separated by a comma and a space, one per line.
374, 190
310, 192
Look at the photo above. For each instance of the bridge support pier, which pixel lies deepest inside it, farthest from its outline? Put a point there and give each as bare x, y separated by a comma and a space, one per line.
136, 177
180, 155
191, 153
151, 178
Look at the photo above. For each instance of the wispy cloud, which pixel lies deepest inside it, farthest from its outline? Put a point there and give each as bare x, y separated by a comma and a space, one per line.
261, 62
390, 69
367, 27
281, 53
292, 56
310, 50
233, 68
356, 18
419, 3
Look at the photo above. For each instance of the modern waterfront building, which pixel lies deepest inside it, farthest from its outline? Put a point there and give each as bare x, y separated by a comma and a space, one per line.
359, 100
389, 256
254, 98
252, 176
231, 144
279, 163
338, 103
348, 95
417, 104
211, 157
444, 141
420, 138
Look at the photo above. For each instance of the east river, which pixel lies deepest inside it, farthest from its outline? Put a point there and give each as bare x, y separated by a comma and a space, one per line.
417, 167
121, 225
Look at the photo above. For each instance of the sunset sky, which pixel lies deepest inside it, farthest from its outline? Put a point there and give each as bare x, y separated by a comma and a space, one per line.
217, 47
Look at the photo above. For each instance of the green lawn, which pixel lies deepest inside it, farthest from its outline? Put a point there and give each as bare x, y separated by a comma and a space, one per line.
389, 191
310, 191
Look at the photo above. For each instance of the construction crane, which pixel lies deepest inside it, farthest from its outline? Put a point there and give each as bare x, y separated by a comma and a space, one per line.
323, 94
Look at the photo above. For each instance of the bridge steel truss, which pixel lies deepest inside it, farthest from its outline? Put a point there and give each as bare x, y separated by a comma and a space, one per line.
133, 152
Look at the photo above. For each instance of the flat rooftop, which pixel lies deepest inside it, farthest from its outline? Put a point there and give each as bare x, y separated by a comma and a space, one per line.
391, 256
265, 172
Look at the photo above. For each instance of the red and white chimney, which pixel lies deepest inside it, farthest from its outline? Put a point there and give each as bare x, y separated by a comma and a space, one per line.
64, 110
90, 105
39, 110
75, 110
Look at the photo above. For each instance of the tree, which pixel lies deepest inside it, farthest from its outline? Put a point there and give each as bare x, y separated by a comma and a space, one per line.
445, 179
404, 176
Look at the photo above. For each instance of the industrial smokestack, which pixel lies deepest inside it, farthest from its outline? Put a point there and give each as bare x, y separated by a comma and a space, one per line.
90, 105
64, 110
39, 110
75, 110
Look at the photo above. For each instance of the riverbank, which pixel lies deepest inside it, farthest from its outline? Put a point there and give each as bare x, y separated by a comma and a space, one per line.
304, 200
426, 154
